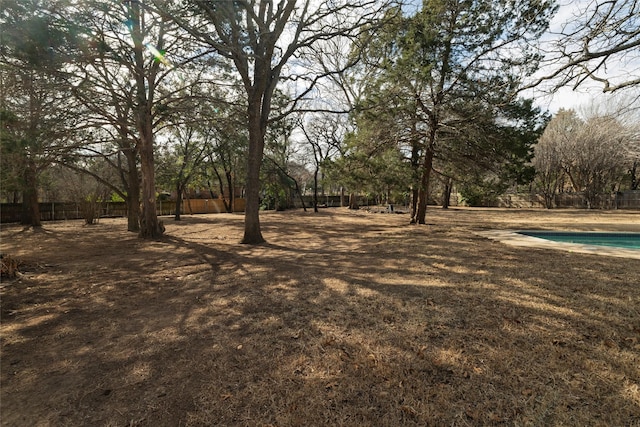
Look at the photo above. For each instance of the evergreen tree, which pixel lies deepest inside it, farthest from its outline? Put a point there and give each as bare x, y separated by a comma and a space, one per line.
38, 116
457, 65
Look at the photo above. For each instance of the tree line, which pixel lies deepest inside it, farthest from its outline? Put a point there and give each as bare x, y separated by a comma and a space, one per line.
595, 155
370, 95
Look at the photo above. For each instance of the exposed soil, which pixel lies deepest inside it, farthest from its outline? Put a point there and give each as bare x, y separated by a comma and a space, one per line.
343, 318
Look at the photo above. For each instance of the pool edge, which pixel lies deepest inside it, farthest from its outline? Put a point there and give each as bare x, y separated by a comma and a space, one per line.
513, 238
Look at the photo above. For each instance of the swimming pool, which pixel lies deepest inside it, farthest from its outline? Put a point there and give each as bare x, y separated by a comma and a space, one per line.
618, 240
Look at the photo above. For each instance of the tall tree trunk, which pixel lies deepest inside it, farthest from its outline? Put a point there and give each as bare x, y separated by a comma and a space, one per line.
252, 233
446, 196
227, 203
414, 204
548, 199
353, 201
232, 193
133, 213
30, 206
423, 190
415, 169
315, 189
150, 227
133, 191
304, 207
179, 191
634, 175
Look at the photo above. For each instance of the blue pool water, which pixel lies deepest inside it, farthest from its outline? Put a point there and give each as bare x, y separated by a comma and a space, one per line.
620, 240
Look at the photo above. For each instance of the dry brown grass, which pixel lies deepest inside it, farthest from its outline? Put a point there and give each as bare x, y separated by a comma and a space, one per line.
343, 319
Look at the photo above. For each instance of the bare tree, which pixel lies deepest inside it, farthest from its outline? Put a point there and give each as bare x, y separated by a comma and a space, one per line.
133, 68
107, 93
85, 191
633, 156
324, 135
181, 158
595, 165
547, 158
261, 38
625, 108
599, 42
225, 151
591, 153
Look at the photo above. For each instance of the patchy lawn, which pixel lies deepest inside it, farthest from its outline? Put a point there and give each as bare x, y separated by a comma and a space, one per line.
343, 318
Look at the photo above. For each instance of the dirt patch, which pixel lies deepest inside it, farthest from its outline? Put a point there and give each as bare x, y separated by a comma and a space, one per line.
343, 318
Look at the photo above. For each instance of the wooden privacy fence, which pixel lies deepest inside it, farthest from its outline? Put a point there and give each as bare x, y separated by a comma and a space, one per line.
11, 212
628, 200
198, 206
621, 200
57, 211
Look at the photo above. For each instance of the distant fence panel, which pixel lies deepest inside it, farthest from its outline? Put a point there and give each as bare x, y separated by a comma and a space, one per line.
328, 201
518, 201
198, 206
628, 200
620, 200
58, 211
604, 201
12, 212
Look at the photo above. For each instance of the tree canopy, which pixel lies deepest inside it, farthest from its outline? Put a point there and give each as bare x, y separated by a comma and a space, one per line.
373, 96
588, 156
599, 42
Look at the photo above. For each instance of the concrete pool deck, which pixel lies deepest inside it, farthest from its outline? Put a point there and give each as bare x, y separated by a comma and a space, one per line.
513, 238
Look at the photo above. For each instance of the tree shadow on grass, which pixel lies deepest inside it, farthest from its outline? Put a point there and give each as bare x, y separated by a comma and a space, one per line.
334, 322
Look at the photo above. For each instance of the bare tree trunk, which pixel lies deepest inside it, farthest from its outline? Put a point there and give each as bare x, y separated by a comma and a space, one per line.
414, 204
446, 196
353, 201
150, 227
228, 204
415, 170
232, 193
189, 204
304, 207
30, 206
179, 191
252, 233
423, 190
315, 189
133, 192
133, 214
634, 175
